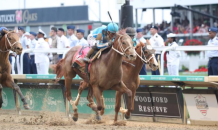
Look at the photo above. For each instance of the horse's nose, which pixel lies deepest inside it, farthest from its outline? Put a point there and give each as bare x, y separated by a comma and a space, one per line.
132, 56
20, 49
155, 65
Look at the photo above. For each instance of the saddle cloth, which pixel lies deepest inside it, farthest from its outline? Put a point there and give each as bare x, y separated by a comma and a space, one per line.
80, 54
78, 59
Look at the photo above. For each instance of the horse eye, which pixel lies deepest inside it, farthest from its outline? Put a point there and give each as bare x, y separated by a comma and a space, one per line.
9, 38
123, 42
146, 52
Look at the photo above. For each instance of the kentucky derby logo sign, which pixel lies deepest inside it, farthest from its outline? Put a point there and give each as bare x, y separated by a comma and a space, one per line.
201, 104
19, 16
25, 16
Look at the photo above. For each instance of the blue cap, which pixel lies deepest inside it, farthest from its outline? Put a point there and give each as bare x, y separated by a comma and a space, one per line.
61, 29
33, 33
80, 31
1, 28
155, 27
139, 30
20, 28
71, 27
213, 29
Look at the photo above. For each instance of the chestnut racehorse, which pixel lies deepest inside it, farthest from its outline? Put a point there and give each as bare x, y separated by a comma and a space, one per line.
10, 41
131, 79
105, 72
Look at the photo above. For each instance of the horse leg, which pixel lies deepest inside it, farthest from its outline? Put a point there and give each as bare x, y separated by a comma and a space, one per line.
117, 104
82, 86
10, 83
1, 101
121, 88
102, 101
123, 110
97, 94
92, 104
68, 81
133, 99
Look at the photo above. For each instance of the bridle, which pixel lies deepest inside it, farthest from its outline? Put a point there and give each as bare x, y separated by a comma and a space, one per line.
147, 59
123, 50
11, 45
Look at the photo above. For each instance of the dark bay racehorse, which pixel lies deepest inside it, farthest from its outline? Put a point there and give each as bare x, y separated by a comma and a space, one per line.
131, 79
105, 73
10, 41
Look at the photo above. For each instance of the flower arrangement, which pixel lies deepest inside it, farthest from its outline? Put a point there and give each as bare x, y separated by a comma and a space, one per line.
193, 42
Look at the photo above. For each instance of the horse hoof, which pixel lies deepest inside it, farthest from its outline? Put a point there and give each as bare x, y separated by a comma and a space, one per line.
26, 106
75, 118
98, 118
102, 113
127, 117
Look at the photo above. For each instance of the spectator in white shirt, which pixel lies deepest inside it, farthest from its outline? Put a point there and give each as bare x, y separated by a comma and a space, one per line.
172, 56
25, 44
63, 42
80, 35
41, 59
156, 41
139, 36
72, 38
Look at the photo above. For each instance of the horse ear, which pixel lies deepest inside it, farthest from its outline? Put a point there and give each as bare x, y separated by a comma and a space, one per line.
122, 31
5, 31
148, 42
142, 44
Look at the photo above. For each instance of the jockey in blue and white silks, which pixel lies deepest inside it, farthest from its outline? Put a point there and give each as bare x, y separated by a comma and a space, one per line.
102, 38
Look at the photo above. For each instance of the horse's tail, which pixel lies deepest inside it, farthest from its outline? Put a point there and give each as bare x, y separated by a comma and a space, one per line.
59, 70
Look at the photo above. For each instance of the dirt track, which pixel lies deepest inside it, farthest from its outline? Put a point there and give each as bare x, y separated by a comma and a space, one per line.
53, 121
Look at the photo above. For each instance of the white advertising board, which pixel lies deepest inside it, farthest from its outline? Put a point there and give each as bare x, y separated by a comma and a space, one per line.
202, 106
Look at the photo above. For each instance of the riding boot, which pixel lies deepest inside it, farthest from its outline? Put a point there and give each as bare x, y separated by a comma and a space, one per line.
87, 57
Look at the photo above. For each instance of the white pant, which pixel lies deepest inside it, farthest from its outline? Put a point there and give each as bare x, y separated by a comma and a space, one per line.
173, 70
12, 64
18, 65
42, 68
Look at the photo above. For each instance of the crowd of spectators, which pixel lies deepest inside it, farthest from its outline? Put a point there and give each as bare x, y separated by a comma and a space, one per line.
181, 26
38, 63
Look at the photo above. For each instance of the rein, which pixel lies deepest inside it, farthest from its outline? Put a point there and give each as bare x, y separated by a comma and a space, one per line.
11, 45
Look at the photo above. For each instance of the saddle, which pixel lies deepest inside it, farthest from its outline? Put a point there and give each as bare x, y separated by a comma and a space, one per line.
78, 62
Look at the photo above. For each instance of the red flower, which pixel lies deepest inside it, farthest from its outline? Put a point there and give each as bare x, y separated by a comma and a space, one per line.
193, 42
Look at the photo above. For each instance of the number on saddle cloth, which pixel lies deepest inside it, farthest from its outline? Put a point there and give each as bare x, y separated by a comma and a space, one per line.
77, 61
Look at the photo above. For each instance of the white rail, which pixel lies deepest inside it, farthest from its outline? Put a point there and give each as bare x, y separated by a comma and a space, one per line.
163, 49
184, 48
185, 35
63, 51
